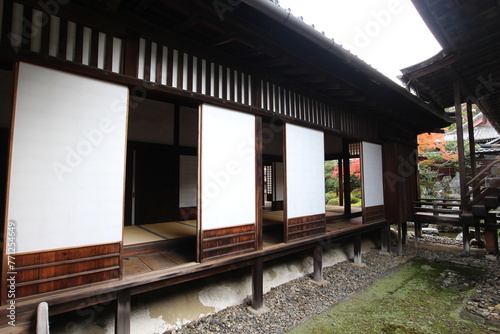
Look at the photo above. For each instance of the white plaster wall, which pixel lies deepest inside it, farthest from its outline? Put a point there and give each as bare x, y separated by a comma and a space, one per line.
68, 158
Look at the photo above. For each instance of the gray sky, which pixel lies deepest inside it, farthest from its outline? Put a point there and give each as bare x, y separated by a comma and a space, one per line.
387, 34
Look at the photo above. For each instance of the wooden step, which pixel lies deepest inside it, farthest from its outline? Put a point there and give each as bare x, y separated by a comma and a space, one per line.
479, 210
491, 202
467, 219
492, 182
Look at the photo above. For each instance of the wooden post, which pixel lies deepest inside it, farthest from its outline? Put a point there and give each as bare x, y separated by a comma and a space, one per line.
259, 183
466, 237
472, 140
258, 284
347, 179
472, 155
122, 320
341, 182
418, 229
357, 249
401, 229
460, 144
490, 234
385, 238
318, 263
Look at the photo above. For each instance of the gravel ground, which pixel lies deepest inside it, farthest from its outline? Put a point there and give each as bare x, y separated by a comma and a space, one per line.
298, 300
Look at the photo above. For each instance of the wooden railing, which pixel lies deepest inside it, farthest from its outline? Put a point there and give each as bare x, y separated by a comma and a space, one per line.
430, 210
478, 190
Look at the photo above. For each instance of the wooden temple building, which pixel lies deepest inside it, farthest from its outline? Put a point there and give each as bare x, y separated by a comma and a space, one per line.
149, 143
466, 71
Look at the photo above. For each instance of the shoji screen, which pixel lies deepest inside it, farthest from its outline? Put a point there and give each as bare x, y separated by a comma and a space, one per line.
373, 188
305, 181
227, 168
68, 156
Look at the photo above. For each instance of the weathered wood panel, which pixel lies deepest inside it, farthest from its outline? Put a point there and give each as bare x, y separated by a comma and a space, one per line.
374, 214
59, 269
303, 227
224, 241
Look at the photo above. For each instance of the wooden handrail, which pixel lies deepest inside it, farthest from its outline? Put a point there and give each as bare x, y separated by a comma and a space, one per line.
431, 200
485, 170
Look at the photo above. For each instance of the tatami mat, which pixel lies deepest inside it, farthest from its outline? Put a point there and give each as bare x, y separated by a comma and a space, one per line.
135, 235
171, 230
139, 234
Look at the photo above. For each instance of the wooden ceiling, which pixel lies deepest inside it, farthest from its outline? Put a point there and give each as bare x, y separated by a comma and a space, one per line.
469, 32
245, 33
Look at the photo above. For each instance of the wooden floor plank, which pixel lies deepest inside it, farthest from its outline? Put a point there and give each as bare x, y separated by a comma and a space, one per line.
178, 257
156, 261
133, 266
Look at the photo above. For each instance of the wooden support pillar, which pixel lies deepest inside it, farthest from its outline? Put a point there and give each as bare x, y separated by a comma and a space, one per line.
385, 238
357, 249
490, 235
318, 263
341, 182
466, 237
460, 143
258, 284
123, 306
347, 178
401, 228
472, 140
259, 182
418, 233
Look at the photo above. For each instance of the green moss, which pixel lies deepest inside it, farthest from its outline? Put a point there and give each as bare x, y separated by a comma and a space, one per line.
413, 300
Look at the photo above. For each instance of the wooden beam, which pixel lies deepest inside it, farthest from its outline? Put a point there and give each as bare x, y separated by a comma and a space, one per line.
258, 284
223, 39
318, 263
187, 24
259, 184
347, 178
123, 307
357, 249
460, 143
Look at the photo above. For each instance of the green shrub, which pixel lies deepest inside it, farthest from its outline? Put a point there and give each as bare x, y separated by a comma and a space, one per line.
333, 201
356, 193
329, 195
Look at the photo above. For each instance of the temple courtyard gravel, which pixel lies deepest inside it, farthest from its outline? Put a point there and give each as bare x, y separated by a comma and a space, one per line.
299, 300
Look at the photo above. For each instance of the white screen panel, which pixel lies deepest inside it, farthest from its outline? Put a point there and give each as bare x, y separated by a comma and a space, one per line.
188, 181
373, 187
305, 183
227, 168
68, 155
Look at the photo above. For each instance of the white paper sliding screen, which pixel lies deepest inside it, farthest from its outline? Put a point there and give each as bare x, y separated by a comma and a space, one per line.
305, 184
227, 212
68, 155
373, 187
